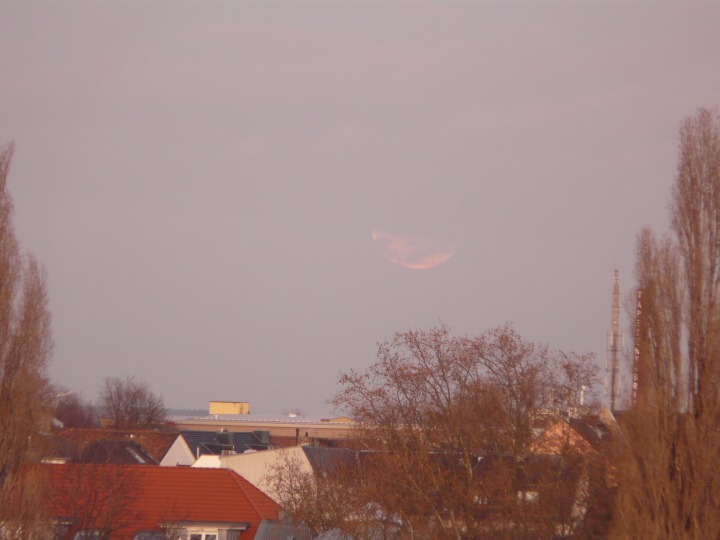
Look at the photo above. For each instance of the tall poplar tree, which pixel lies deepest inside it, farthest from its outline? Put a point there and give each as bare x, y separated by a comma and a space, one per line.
670, 442
25, 345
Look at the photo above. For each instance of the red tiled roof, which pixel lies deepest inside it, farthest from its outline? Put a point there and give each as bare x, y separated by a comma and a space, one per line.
155, 443
154, 495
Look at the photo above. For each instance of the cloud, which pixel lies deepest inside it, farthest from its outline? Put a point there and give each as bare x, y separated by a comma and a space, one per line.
413, 252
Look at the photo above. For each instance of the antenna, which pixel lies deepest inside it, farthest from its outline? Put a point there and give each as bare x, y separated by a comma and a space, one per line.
614, 348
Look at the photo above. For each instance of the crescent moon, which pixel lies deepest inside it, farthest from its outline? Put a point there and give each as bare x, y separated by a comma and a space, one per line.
412, 252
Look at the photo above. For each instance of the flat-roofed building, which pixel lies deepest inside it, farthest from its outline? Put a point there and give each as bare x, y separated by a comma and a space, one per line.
229, 407
299, 428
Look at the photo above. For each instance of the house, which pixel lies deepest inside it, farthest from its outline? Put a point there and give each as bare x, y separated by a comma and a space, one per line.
577, 450
281, 530
560, 437
256, 466
166, 448
224, 442
115, 451
149, 503
324, 461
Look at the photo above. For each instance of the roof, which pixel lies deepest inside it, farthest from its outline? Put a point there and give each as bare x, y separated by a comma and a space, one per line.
277, 530
274, 418
155, 443
208, 443
118, 452
559, 437
324, 460
585, 434
150, 496
592, 429
337, 534
51, 445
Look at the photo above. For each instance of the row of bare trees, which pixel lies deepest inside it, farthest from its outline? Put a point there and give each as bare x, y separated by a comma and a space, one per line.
122, 403
444, 445
671, 440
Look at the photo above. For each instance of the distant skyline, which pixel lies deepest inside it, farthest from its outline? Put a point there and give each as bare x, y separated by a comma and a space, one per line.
237, 201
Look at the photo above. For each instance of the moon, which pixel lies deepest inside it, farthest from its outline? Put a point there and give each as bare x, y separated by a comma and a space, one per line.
413, 252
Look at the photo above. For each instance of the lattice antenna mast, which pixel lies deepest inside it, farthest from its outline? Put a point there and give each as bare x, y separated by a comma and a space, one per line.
615, 346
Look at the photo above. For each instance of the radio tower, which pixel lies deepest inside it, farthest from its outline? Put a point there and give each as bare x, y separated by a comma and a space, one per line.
615, 345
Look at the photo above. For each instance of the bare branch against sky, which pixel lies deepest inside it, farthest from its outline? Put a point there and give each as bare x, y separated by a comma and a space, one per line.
202, 181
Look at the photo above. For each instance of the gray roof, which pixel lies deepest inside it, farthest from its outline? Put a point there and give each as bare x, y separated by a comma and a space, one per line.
208, 444
324, 460
277, 530
116, 452
337, 534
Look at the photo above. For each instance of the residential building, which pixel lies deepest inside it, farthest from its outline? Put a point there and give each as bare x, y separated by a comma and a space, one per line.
256, 466
149, 503
166, 448
225, 442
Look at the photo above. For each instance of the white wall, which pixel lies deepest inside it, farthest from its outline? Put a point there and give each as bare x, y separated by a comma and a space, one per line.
178, 454
253, 466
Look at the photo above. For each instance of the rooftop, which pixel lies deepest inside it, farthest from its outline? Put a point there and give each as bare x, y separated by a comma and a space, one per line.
155, 443
155, 495
273, 418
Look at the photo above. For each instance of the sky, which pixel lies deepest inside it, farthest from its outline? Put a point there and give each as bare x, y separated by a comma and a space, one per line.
238, 200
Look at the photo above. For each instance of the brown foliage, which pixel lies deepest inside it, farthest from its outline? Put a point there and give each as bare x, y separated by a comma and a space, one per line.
25, 344
446, 426
320, 501
670, 442
74, 411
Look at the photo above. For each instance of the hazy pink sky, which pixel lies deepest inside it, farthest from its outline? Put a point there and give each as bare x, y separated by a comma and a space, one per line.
201, 180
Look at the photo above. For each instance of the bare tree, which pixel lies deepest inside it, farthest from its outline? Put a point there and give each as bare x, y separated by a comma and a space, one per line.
670, 442
446, 425
95, 498
696, 221
128, 403
25, 345
320, 501
74, 411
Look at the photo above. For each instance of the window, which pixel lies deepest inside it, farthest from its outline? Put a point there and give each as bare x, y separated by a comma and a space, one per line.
528, 496
88, 535
148, 535
59, 530
480, 500
198, 532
